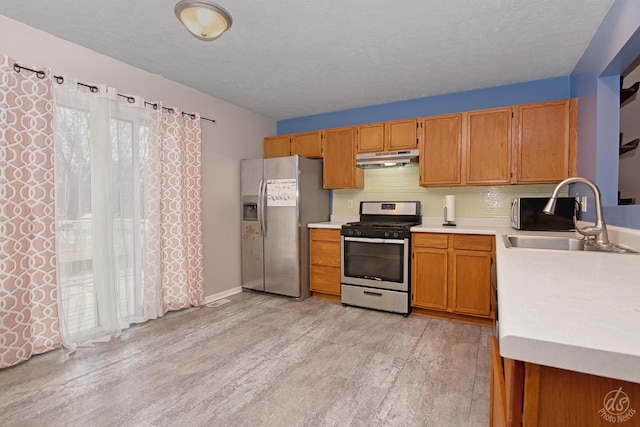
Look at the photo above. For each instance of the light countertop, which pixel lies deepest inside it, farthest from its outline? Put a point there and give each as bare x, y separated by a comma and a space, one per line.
575, 310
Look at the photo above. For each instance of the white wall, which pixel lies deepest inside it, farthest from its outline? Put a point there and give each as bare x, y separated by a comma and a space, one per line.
237, 133
629, 169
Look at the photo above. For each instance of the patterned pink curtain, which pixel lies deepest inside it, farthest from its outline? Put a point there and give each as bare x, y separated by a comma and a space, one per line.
29, 322
181, 264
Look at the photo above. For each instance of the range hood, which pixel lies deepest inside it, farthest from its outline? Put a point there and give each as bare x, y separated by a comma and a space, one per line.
387, 159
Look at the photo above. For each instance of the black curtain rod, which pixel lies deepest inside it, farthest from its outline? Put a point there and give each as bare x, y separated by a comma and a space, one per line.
94, 89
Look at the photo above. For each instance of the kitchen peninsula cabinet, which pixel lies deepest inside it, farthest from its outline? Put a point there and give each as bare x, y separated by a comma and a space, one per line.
546, 141
387, 136
531, 395
451, 276
324, 259
339, 166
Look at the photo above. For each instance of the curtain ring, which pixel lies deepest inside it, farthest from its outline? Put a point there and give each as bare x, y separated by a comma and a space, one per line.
59, 79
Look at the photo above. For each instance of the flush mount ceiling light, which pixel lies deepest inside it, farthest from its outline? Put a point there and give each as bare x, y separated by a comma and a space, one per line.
205, 20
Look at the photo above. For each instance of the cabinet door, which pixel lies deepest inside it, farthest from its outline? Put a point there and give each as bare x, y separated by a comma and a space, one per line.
471, 282
488, 146
401, 135
371, 138
440, 152
429, 283
277, 146
498, 395
339, 164
308, 144
545, 142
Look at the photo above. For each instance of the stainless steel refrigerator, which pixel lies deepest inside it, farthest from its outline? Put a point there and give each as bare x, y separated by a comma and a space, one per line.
280, 197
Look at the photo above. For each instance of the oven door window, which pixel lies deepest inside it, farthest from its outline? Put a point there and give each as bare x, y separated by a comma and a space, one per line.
376, 261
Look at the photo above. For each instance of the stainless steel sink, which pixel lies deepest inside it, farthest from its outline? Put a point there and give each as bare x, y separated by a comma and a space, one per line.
560, 243
544, 242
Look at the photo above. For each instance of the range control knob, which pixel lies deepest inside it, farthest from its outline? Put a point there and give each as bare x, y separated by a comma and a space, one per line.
396, 234
350, 232
386, 234
358, 232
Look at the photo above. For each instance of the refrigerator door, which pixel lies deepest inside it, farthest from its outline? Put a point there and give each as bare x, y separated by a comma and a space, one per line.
281, 219
252, 259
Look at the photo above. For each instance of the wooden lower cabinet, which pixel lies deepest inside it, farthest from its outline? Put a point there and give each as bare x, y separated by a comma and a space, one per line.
324, 259
451, 276
532, 395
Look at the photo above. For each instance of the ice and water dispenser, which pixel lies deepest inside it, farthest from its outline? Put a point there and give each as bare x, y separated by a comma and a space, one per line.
249, 208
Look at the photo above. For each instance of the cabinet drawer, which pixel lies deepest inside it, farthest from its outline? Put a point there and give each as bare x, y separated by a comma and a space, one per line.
325, 253
325, 279
326, 234
431, 240
472, 242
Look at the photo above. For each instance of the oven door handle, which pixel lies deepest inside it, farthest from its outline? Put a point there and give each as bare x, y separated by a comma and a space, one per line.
372, 240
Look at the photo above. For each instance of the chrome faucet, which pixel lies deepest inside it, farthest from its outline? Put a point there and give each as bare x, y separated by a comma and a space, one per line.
598, 231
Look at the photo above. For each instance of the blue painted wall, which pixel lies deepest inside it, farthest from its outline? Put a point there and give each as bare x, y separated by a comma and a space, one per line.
520, 93
596, 83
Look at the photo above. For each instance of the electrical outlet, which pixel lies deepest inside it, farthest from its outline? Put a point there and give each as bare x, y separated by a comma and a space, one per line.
583, 203
350, 203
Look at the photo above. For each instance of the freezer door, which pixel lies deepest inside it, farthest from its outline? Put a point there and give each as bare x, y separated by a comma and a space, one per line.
252, 258
281, 240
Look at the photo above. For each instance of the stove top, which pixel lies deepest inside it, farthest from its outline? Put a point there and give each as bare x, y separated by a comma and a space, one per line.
384, 220
386, 224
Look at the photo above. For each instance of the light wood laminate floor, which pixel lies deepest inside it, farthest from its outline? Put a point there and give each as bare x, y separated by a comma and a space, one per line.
261, 360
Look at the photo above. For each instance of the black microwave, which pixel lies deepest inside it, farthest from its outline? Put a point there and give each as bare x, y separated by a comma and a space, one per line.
526, 214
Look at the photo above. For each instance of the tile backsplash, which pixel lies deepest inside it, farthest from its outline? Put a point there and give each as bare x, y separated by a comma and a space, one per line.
398, 184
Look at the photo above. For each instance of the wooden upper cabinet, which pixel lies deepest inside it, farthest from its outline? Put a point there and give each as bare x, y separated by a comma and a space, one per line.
370, 138
277, 146
401, 135
441, 150
308, 144
546, 141
388, 136
339, 166
488, 145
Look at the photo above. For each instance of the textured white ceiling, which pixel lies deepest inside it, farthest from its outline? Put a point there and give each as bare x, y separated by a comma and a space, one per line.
293, 58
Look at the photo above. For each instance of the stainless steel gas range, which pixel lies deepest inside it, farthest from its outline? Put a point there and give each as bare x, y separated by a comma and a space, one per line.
376, 256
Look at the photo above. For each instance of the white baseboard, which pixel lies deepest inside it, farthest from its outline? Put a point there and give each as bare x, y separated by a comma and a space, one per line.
211, 298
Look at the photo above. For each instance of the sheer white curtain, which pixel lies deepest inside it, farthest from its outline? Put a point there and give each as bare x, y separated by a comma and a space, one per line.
129, 237
102, 153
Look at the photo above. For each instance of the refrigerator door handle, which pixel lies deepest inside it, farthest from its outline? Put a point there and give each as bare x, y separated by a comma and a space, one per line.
261, 207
